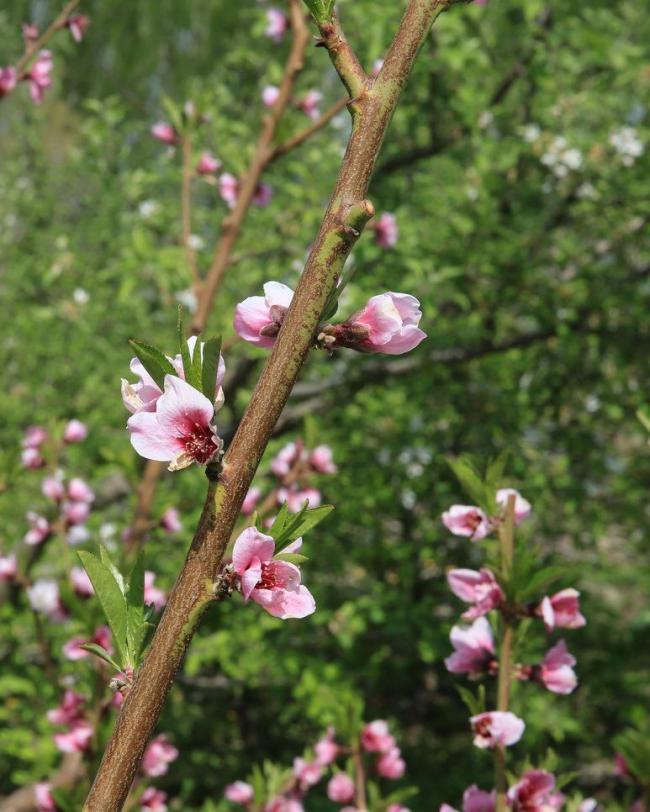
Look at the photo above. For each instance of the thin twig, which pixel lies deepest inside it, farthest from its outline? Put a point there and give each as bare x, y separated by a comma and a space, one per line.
32, 49
300, 138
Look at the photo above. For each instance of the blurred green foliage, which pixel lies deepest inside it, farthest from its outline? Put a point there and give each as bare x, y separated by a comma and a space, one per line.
534, 283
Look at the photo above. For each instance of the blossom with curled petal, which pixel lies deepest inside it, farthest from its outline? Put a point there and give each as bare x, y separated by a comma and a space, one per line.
473, 648
39, 77
475, 800
478, 588
158, 756
467, 520
496, 728
522, 506
258, 319
273, 583
153, 800
556, 671
535, 792
239, 792
561, 611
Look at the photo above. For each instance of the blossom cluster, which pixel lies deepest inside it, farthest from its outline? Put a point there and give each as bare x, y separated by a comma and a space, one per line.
388, 323
475, 653
375, 741
38, 73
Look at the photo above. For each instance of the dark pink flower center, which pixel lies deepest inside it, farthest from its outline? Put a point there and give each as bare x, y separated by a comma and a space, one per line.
269, 579
200, 443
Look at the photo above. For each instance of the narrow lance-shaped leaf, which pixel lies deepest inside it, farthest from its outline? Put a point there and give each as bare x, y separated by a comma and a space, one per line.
98, 651
184, 349
111, 599
135, 621
209, 371
154, 361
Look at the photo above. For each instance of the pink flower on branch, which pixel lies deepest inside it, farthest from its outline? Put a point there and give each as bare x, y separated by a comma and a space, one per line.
8, 79
239, 792
340, 788
556, 672
391, 764
309, 104
535, 792
76, 739
277, 24
473, 649
273, 584
80, 491
387, 324
77, 25
229, 191
270, 95
386, 230
250, 501
522, 506
43, 797
81, 582
34, 437
52, 487
307, 773
39, 77
376, 737
8, 567
496, 728
39, 530
31, 458
158, 756
475, 800
326, 749
479, 588
75, 432
321, 460
153, 595
467, 520
162, 131
258, 319
170, 521
180, 431
561, 610
208, 164
153, 800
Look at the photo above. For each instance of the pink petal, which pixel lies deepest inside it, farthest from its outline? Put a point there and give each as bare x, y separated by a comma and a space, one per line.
181, 407
251, 577
148, 438
251, 545
277, 294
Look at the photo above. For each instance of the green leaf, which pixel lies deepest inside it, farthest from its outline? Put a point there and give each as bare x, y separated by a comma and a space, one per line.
196, 365
321, 10
292, 558
183, 347
211, 352
470, 480
135, 620
287, 527
93, 648
106, 561
111, 598
154, 361
475, 704
174, 112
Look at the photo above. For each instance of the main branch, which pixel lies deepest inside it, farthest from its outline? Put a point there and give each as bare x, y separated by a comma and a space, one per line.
346, 215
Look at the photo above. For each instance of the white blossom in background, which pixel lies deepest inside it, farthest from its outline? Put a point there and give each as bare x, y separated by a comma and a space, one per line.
626, 142
81, 296
560, 158
195, 242
148, 208
188, 299
531, 132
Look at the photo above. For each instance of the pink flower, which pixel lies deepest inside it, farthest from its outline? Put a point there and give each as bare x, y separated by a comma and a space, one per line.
208, 164
258, 319
80, 491
250, 501
497, 728
34, 437
556, 672
153, 800
620, 766
326, 749
77, 25
153, 595
534, 792
386, 230
170, 521
274, 584
309, 104
53, 488
228, 188
475, 800
391, 764
296, 498
8, 567
69, 711
162, 131
287, 457
561, 610
158, 756
388, 323
31, 458
239, 792
321, 460
397, 808
75, 512
473, 648
39, 529
466, 520
73, 648
75, 432
180, 431
30, 33
307, 773
522, 506
263, 195
43, 596
277, 24
270, 95
39, 76
340, 788
81, 582
376, 738
76, 739
43, 797
8, 78
480, 588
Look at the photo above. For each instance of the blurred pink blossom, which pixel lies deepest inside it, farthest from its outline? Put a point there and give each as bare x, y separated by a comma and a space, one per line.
466, 520
277, 24
556, 672
376, 737
296, 498
81, 582
80, 491
270, 95
31, 458
39, 530
473, 648
39, 77
153, 800
77, 26
391, 764
8, 80
386, 230
239, 792
208, 164
321, 460
309, 104
34, 437
522, 506
52, 487
326, 749
475, 800
228, 188
75, 512
158, 756
535, 792
496, 728
8, 567
43, 797
153, 595
562, 610
340, 788
479, 588
162, 131
75, 432
76, 739
73, 648
307, 773
170, 521
250, 501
